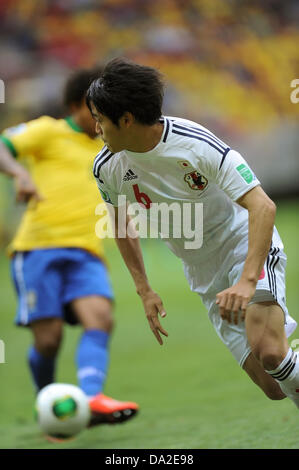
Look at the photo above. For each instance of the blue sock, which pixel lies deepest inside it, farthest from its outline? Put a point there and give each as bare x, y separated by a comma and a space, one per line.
92, 361
42, 368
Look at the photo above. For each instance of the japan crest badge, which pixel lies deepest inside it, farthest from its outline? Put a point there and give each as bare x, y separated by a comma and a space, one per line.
195, 180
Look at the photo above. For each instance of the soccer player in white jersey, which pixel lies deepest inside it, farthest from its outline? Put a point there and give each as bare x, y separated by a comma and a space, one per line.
239, 271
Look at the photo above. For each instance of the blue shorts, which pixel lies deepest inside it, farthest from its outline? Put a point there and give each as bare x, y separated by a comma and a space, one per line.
47, 280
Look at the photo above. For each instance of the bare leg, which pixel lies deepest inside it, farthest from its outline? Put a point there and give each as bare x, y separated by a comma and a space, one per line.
258, 375
47, 336
266, 335
47, 339
94, 312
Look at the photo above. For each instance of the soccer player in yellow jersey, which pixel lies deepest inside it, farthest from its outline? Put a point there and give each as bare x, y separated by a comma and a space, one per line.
57, 260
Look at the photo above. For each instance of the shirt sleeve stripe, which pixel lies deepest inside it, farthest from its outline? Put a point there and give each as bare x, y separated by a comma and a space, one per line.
203, 138
8, 143
99, 160
166, 123
223, 158
199, 131
97, 174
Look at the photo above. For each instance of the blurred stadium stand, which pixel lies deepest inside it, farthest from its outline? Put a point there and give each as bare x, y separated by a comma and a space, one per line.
228, 65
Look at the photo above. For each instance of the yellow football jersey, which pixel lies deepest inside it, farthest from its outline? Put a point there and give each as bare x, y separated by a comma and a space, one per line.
61, 159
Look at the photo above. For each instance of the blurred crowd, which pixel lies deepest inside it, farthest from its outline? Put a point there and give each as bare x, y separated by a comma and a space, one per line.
228, 64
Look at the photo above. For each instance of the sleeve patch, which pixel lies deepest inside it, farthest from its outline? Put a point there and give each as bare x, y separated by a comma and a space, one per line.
246, 173
105, 196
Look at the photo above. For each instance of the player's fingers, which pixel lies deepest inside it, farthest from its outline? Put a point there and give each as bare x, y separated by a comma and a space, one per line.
35, 200
161, 309
162, 330
158, 325
235, 315
159, 339
236, 309
21, 196
228, 306
222, 307
158, 335
25, 196
222, 313
152, 316
32, 193
38, 197
244, 307
154, 330
221, 299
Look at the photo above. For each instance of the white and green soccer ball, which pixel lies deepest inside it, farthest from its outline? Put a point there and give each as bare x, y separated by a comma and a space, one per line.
62, 410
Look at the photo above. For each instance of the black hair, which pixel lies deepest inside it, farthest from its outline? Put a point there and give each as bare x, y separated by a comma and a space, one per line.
125, 86
78, 83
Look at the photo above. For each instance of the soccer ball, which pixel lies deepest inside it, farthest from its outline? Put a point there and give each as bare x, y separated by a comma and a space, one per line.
62, 410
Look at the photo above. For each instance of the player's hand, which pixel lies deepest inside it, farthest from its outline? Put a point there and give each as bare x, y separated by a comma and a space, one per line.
153, 307
25, 187
235, 299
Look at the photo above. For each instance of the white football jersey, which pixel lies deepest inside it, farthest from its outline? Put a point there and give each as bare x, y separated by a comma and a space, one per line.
189, 165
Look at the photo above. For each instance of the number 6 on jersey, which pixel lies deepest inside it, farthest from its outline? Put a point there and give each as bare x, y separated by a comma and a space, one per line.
143, 199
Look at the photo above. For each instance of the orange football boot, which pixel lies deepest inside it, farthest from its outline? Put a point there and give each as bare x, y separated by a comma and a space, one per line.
107, 410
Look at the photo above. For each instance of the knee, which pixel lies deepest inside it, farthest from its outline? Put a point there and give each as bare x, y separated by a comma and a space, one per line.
269, 357
94, 312
99, 316
48, 344
104, 320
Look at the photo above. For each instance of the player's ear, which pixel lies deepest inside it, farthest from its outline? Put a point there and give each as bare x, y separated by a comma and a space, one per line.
127, 119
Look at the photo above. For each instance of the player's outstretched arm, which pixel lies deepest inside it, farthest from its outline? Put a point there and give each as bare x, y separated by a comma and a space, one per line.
130, 250
25, 187
261, 213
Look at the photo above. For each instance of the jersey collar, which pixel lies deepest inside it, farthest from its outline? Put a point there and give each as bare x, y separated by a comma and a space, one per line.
72, 124
166, 129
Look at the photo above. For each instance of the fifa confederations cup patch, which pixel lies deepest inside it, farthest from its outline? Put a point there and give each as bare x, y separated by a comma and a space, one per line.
246, 173
105, 196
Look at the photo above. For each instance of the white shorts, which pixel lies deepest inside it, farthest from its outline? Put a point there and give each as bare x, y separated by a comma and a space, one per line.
270, 287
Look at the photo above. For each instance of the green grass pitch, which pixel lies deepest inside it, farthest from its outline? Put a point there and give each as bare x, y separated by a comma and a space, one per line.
191, 391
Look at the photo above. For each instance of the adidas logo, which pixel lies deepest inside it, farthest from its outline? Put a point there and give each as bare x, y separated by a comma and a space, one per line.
130, 175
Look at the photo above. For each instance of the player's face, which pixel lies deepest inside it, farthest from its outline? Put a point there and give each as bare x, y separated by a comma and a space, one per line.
83, 118
111, 134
